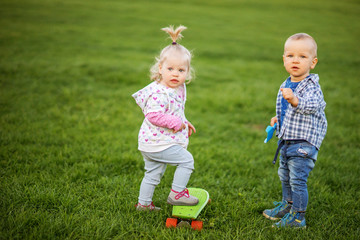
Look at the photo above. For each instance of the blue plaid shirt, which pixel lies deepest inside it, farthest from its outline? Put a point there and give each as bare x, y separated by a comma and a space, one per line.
307, 121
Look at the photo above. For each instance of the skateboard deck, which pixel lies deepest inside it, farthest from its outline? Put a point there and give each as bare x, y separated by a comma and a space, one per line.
190, 212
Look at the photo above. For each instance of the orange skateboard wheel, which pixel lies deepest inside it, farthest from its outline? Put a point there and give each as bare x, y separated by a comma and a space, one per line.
197, 225
171, 222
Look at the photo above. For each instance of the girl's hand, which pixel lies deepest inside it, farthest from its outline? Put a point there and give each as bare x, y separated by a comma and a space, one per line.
191, 128
183, 126
273, 121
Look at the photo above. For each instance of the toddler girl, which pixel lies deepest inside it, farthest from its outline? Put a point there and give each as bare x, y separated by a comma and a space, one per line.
164, 133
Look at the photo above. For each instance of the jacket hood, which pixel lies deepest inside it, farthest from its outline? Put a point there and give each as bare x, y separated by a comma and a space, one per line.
142, 96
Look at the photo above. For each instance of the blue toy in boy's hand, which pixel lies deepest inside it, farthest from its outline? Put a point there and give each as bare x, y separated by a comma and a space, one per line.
270, 131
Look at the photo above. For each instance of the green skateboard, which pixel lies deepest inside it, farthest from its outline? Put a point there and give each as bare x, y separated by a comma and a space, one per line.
186, 215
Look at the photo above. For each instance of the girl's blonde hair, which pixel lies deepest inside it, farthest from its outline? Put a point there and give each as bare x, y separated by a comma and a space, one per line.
175, 34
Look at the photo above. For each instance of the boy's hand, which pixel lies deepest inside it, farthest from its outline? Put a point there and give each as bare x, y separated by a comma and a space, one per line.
191, 128
273, 121
289, 96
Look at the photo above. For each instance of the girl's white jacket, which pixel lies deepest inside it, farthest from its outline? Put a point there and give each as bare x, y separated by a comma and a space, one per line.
156, 97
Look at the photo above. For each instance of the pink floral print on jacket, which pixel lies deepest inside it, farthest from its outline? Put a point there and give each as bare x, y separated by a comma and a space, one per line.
156, 98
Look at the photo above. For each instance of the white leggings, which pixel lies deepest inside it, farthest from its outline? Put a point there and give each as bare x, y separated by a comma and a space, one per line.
155, 166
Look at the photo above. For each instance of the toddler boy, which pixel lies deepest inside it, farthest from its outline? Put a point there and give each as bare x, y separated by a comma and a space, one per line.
301, 128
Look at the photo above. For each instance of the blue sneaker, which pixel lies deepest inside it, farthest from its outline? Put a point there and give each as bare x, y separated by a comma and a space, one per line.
292, 219
279, 211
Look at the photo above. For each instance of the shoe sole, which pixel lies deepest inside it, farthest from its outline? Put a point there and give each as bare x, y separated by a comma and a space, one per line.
171, 202
274, 226
271, 218
148, 210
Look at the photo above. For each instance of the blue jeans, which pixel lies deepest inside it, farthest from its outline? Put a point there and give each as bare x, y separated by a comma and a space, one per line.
297, 159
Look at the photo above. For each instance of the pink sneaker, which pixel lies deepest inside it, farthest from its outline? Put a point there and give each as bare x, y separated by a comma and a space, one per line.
182, 198
150, 207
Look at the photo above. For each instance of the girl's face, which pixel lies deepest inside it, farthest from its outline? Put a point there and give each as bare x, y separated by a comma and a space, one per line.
299, 57
173, 70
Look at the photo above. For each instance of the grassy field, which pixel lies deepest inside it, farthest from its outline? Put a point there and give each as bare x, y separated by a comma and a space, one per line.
70, 168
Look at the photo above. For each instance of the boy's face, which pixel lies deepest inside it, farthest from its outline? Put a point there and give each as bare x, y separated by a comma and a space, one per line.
299, 57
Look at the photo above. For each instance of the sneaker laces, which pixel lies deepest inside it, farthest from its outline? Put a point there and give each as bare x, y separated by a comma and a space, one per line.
278, 205
185, 193
151, 206
288, 217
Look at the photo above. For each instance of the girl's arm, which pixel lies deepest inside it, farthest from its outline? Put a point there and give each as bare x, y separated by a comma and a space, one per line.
165, 120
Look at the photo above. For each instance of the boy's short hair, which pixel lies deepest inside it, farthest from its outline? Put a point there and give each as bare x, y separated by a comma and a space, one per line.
303, 36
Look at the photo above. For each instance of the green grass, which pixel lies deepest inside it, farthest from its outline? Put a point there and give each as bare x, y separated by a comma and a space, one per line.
70, 168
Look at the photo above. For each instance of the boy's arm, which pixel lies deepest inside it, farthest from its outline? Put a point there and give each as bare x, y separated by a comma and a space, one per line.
307, 104
311, 102
278, 109
289, 96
